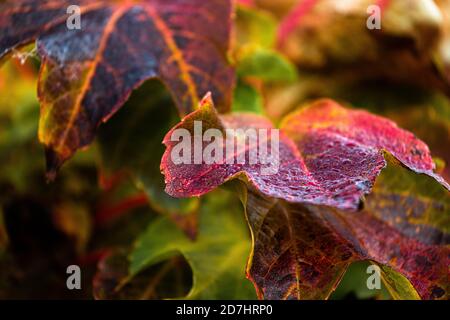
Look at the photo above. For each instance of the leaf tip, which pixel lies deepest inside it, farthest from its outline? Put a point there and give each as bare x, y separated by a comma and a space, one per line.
207, 101
53, 162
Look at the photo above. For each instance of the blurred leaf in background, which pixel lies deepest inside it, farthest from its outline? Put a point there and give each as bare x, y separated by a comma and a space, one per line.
217, 257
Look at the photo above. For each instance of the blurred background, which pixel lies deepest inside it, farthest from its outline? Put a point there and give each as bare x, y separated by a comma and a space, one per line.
286, 54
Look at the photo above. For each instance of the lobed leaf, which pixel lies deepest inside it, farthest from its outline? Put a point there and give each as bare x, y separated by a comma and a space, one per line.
424, 112
328, 155
87, 74
330, 158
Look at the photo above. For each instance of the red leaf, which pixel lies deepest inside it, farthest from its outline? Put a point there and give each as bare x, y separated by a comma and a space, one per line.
331, 156
88, 74
328, 155
302, 252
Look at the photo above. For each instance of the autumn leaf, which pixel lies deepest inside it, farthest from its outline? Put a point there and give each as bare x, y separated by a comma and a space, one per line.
431, 122
302, 252
216, 259
330, 158
328, 155
87, 74
422, 111
343, 189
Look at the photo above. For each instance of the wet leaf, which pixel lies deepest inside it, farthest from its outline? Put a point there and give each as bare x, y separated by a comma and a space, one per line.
424, 112
88, 74
327, 155
302, 252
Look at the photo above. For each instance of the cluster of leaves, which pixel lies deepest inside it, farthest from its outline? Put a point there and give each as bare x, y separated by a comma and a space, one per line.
352, 187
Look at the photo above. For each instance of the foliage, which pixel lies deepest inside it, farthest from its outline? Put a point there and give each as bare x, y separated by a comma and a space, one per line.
357, 182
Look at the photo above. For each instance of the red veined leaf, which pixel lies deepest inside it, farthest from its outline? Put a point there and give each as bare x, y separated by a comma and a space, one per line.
302, 252
329, 119
328, 155
87, 74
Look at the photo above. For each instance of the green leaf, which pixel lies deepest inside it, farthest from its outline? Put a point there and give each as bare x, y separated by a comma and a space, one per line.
267, 65
19, 109
255, 27
247, 98
398, 286
354, 284
217, 257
